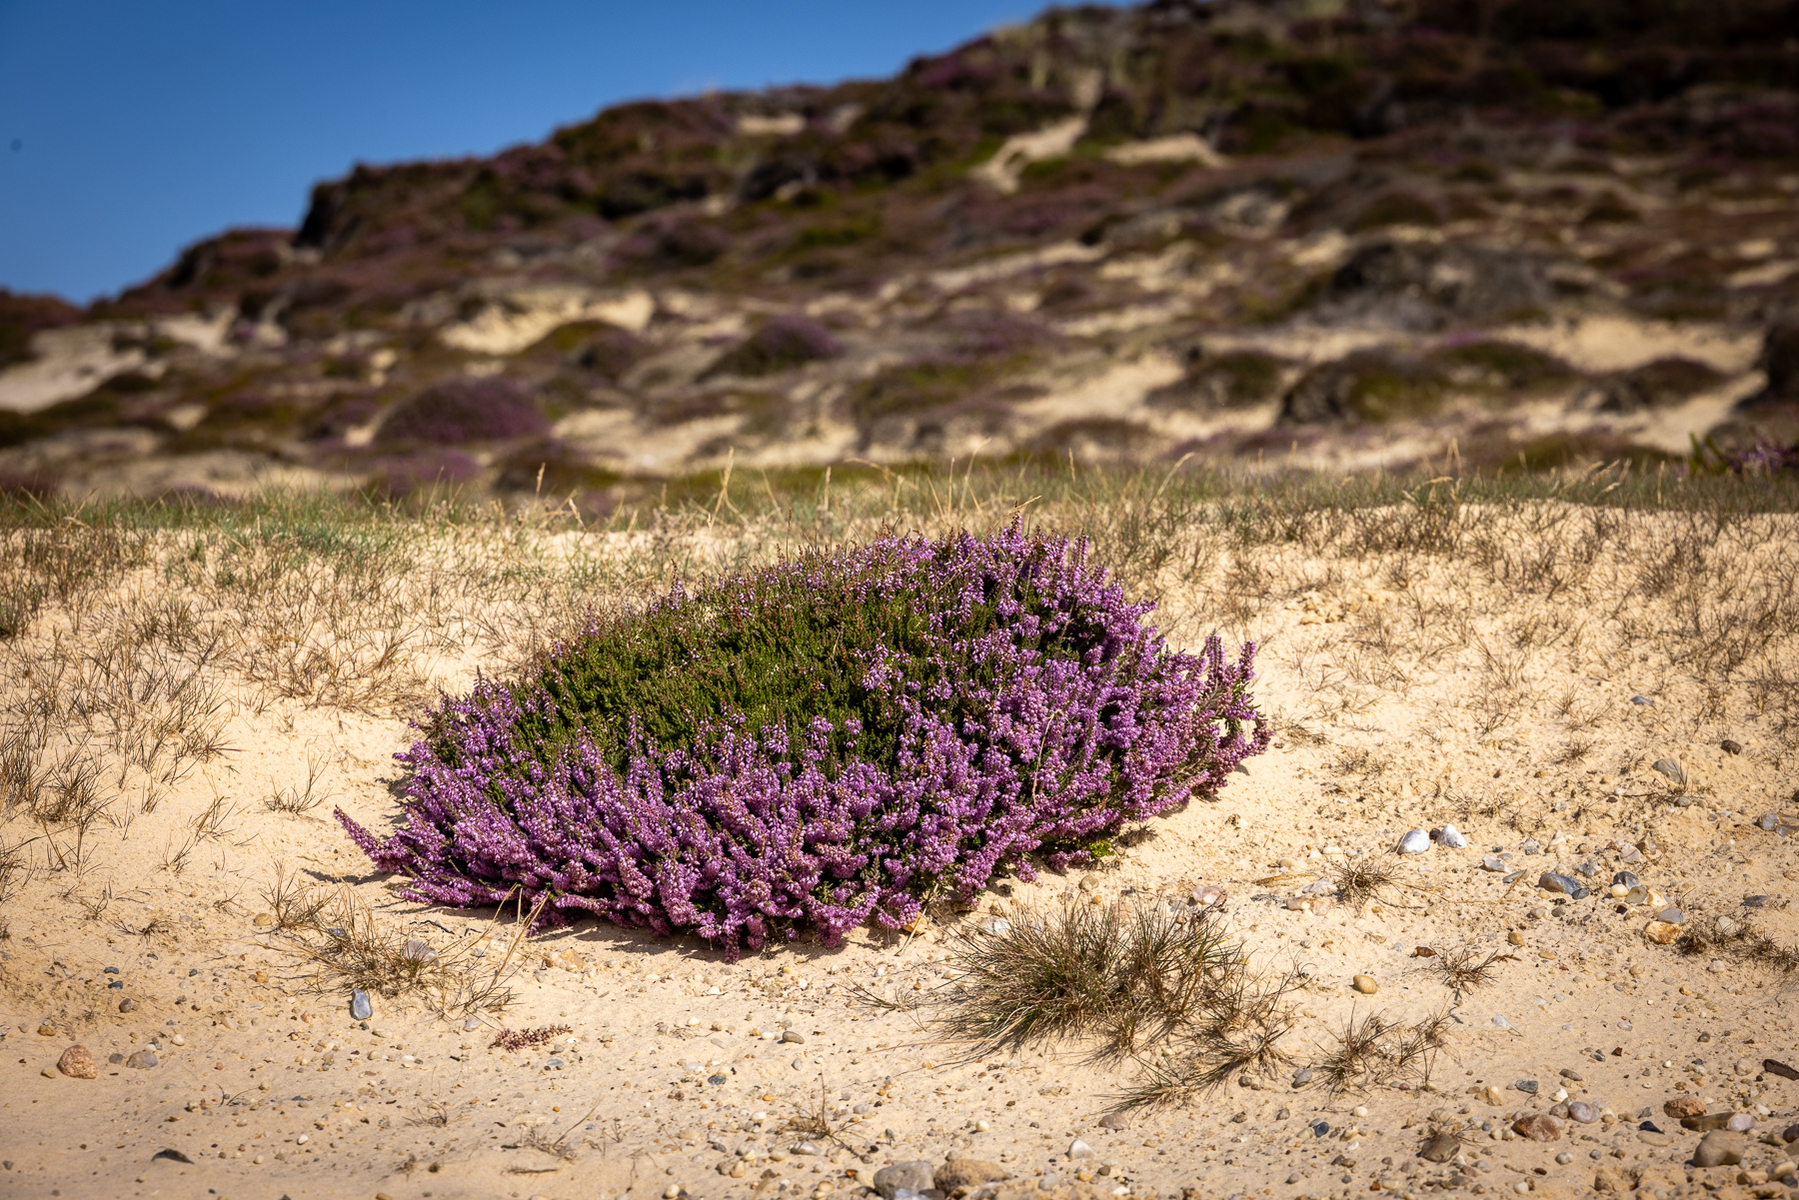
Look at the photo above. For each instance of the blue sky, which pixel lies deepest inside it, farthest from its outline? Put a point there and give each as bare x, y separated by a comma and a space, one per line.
129, 129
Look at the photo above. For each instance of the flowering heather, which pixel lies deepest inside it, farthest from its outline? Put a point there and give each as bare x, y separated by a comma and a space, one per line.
827, 742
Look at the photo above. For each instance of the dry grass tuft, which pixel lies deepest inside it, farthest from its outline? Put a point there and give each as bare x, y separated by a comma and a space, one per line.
295, 904
1374, 1052
1362, 880
1744, 944
299, 802
1467, 968
1158, 975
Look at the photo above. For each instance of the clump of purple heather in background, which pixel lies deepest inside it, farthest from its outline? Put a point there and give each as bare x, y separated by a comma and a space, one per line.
463, 410
828, 742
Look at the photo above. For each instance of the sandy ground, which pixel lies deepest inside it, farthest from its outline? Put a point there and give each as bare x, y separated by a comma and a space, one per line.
1412, 690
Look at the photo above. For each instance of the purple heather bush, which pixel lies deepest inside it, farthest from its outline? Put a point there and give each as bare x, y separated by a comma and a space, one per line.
463, 410
836, 740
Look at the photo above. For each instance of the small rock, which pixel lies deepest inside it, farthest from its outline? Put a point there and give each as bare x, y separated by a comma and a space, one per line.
1774, 1066
1642, 701
1626, 880
470, 1024
792, 1038
1740, 1123
1492, 862
360, 1009
1757, 901
1113, 1121
1790, 1134
1079, 1149
263, 920
1571, 1073
1049, 1183
77, 1063
1654, 1137
1706, 1122
1661, 932
1492, 1095
1416, 841
914, 1176
1730, 747
1726, 926
1320, 1128
1682, 1107
141, 1060
1366, 985
1441, 1148
1549, 881
1527, 1086
1564, 1158
1538, 1127
1583, 1111
1499, 1020
1302, 1077
1671, 916
127, 1005
1720, 1148
1452, 838
967, 1172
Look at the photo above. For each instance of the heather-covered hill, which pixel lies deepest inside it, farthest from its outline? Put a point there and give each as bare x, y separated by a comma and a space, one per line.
1345, 233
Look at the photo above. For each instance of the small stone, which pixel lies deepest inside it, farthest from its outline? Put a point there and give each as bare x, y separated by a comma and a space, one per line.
1705, 1122
1441, 1148
1730, 746
1452, 838
1492, 1095
1320, 1128
360, 1009
1302, 1077
1416, 841
1740, 1123
1492, 862
1583, 1111
77, 1063
1790, 1134
967, 1172
1642, 701
1079, 1149
470, 1024
1564, 1158
1682, 1107
1513, 937
791, 1038
1726, 926
914, 1176
1671, 916
263, 920
127, 1005
1654, 1137
1527, 1086
1571, 1073
1366, 985
1549, 881
1661, 932
1719, 1148
1049, 1183
1670, 770
1113, 1121
1538, 1127
1757, 901
141, 1060
1530, 846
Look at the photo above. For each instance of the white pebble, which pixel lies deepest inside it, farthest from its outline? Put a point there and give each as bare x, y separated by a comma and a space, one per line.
1415, 842
1452, 837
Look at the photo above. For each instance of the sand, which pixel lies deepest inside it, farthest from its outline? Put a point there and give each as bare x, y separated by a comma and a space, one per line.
1490, 685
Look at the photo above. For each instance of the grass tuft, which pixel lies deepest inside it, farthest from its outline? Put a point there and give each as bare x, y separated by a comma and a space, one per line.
1375, 1051
1362, 880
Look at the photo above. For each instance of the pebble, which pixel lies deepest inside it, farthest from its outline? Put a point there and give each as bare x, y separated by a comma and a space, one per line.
1319, 1128
1492, 862
1729, 746
791, 1038
1538, 1127
1492, 1095
1441, 1148
1726, 926
360, 1009
1416, 841
1527, 1086
77, 1063
1571, 1073
1549, 881
1790, 1134
1499, 1020
1114, 1122
141, 1060
263, 920
1452, 837
1302, 1077
1719, 1148
1529, 846
471, 1024
1366, 985
1642, 701
1740, 1123
1661, 932
914, 1176
1584, 1112
1079, 1149
1757, 901
1682, 1107
1564, 1158
127, 1005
